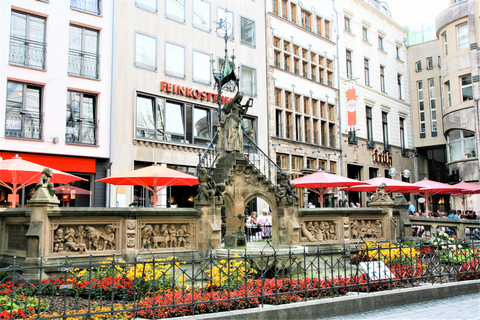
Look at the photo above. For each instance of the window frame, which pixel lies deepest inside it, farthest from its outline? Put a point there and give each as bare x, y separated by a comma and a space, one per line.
400, 87
418, 66
382, 79
247, 43
197, 79
433, 105
369, 125
445, 43
82, 118
402, 134
172, 16
144, 65
348, 61
386, 144
347, 23
365, 34
169, 72
208, 28
82, 53
140, 5
461, 43
306, 17
465, 87
429, 63
231, 31
97, 12
421, 109
380, 43
366, 64
461, 141
247, 93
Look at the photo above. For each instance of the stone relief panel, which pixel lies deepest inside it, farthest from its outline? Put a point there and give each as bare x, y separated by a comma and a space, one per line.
319, 231
80, 238
368, 228
167, 235
16, 239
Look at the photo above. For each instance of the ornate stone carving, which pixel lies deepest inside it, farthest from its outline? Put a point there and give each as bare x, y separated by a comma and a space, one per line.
318, 231
381, 194
285, 193
44, 181
207, 188
367, 228
168, 235
81, 238
233, 123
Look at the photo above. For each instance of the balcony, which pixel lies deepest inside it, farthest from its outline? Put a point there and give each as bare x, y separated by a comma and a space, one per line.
83, 64
21, 124
27, 53
88, 6
81, 131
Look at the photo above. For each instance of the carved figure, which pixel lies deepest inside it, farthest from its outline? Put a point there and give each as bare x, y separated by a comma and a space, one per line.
147, 234
378, 229
166, 236
354, 229
58, 241
333, 233
93, 237
70, 239
286, 191
233, 123
363, 228
318, 232
172, 232
109, 237
80, 235
380, 194
181, 235
306, 232
44, 181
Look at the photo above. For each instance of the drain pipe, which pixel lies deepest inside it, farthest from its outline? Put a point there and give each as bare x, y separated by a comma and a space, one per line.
338, 99
112, 98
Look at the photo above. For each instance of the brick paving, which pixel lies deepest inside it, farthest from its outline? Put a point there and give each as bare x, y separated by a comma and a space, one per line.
465, 307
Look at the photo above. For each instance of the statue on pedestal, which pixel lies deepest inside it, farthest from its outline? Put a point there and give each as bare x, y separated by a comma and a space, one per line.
233, 123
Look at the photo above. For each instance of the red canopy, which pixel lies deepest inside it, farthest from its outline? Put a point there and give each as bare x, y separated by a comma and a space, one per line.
429, 188
392, 186
467, 190
154, 178
21, 173
321, 183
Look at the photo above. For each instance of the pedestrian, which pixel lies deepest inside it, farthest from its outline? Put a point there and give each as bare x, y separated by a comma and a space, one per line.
352, 205
310, 205
358, 205
411, 207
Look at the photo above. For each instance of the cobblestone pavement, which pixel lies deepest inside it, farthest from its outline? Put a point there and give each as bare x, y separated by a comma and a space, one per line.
465, 307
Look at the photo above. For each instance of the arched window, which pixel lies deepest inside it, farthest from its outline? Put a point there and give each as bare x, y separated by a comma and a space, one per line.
461, 145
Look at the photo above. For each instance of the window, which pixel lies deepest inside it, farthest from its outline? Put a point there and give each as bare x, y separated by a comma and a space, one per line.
445, 43
332, 135
288, 122
296, 66
284, 8
306, 122
278, 124
297, 163
349, 64
24, 111
298, 128
421, 109
330, 78
201, 15
81, 125
314, 107
399, 52
83, 58
310, 163
322, 110
402, 135
367, 71
227, 15
276, 42
399, 84
277, 59
365, 33
322, 165
333, 167
329, 64
433, 107
461, 145
145, 51
202, 67
282, 161
315, 131
429, 63
347, 24
248, 81
324, 133
202, 125
418, 66
319, 25
174, 60
306, 108
382, 78
297, 103
278, 97
331, 112
466, 84
288, 101
462, 36
385, 130
286, 63
380, 43
368, 114
149, 5
449, 94
27, 40
306, 20
89, 6
293, 13
175, 10
286, 46
247, 31
275, 6
327, 29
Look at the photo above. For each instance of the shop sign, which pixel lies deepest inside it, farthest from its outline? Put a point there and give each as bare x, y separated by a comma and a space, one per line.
382, 157
191, 92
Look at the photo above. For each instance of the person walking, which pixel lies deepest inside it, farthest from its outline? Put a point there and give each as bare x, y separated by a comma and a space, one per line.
411, 207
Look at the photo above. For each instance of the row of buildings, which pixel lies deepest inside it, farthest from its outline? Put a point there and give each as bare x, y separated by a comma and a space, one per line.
100, 87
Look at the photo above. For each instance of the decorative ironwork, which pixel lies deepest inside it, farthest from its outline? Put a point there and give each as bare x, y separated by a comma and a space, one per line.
27, 53
83, 64
209, 158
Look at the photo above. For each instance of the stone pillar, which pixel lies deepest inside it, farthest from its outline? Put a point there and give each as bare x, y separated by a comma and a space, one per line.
404, 227
209, 232
286, 229
384, 202
38, 234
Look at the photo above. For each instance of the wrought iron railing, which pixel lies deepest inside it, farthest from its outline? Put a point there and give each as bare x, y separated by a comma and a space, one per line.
209, 157
153, 288
83, 64
90, 6
81, 131
261, 160
22, 124
27, 53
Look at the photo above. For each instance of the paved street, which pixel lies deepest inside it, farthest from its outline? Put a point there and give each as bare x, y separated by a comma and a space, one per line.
466, 307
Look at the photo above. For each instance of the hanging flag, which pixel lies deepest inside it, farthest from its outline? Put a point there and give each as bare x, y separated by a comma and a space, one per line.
351, 106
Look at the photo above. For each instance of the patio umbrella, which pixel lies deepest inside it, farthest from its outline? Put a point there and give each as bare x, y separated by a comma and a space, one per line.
21, 173
430, 188
321, 183
392, 186
154, 178
467, 190
69, 189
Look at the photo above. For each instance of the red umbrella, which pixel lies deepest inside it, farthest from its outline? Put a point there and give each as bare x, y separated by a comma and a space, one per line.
467, 190
21, 173
321, 183
392, 186
154, 178
430, 188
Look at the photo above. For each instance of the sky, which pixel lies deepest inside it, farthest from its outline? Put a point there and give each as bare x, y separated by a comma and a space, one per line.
410, 12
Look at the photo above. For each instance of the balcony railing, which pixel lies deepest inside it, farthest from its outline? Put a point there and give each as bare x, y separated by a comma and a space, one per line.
89, 6
81, 131
260, 160
27, 53
21, 124
83, 64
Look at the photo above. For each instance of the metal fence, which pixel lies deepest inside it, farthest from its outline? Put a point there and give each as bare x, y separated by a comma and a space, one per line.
152, 287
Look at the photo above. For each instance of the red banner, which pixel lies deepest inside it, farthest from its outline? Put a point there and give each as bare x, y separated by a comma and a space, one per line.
351, 106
